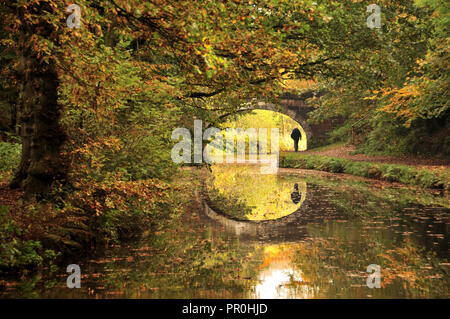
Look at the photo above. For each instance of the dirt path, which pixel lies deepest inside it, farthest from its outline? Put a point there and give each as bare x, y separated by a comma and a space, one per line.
344, 151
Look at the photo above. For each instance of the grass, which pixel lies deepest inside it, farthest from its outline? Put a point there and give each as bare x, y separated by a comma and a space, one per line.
404, 174
327, 147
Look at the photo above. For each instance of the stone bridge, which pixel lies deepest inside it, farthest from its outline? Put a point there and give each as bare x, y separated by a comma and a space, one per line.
296, 108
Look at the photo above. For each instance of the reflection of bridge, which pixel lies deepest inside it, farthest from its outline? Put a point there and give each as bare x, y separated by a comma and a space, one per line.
296, 108
289, 228
273, 229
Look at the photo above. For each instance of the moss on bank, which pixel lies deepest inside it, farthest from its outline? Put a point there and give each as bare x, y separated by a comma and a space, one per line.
391, 172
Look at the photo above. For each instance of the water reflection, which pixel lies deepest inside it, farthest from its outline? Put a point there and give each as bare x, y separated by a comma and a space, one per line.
295, 195
318, 248
278, 277
338, 229
246, 194
269, 208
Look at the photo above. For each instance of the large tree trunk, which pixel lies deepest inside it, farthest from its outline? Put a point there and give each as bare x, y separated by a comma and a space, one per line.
42, 135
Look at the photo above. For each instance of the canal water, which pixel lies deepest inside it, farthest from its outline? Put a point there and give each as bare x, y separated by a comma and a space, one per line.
295, 234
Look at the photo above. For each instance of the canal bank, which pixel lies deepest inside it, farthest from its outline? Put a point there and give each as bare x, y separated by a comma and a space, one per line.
421, 176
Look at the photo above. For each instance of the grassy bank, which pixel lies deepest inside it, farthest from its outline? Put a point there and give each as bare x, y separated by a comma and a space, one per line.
404, 174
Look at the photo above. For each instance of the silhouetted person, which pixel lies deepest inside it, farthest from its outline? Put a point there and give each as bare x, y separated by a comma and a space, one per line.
296, 136
295, 195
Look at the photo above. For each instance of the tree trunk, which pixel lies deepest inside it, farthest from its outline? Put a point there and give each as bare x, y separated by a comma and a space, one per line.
42, 135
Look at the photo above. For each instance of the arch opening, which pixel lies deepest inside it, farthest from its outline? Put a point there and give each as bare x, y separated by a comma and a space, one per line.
267, 118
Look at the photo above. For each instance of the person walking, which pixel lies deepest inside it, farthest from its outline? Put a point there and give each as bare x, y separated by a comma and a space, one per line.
296, 136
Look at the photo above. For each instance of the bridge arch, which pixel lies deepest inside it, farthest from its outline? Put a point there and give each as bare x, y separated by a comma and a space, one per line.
296, 116
295, 107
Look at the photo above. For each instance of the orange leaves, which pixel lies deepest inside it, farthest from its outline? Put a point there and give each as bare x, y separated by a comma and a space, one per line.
402, 262
90, 148
116, 194
90, 154
399, 101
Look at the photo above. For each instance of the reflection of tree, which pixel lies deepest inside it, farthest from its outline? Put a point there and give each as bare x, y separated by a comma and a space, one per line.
192, 260
336, 261
187, 261
278, 278
241, 191
230, 204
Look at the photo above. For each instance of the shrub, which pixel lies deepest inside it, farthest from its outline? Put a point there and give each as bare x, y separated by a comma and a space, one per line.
9, 157
357, 168
428, 179
375, 172
392, 173
15, 252
336, 166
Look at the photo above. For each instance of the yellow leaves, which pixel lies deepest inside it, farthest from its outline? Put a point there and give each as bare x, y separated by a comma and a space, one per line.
409, 90
114, 193
90, 150
53, 5
98, 30
97, 208
399, 101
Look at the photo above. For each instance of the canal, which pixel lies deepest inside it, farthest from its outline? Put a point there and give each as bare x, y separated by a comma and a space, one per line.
295, 234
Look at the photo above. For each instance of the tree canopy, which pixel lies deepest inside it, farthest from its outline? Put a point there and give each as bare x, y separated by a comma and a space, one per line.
103, 98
